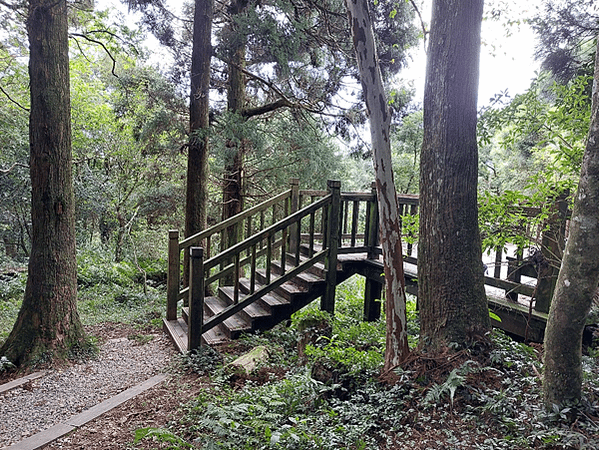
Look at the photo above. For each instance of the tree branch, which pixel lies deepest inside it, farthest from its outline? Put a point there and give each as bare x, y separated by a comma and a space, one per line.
251, 112
5, 171
87, 38
422, 23
13, 100
8, 5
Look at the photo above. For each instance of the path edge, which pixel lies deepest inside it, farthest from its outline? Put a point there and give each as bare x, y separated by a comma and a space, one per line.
55, 432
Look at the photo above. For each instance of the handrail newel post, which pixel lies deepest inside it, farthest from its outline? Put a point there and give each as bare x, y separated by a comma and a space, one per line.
327, 302
373, 224
173, 275
373, 289
196, 298
294, 242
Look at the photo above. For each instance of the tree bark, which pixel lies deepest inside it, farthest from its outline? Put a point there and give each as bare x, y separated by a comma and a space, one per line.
451, 293
578, 278
233, 179
380, 121
48, 324
199, 109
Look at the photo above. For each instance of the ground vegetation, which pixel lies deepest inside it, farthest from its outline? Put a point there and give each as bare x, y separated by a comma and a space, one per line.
333, 394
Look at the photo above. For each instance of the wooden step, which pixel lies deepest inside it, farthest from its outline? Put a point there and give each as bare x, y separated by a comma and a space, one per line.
271, 302
287, 290
235, 325
177, 330
215, 335
306, 280
256, 314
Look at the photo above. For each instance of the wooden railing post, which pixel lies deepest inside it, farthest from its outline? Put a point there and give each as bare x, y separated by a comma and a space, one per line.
514, 274
498, 261
372, 226
373, 289
173, 275
196, 298
294, 241
327, 302
552, 245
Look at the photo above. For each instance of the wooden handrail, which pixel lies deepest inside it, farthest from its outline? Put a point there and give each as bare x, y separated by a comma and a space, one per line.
267, 232
196, 238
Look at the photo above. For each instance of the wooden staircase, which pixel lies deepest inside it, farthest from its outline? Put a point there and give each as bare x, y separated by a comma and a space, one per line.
268, 311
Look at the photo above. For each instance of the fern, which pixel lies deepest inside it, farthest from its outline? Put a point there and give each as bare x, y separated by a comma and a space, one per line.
455, 380
163, 436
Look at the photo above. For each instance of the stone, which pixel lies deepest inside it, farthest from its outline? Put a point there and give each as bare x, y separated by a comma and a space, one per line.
252, 359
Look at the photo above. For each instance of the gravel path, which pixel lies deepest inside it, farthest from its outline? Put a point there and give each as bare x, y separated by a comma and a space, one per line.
61, 394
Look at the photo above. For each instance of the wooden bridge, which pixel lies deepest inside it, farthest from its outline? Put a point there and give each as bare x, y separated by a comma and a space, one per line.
296, 247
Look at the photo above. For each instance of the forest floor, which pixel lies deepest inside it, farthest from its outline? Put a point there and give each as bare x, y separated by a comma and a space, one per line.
321, 387
447, 421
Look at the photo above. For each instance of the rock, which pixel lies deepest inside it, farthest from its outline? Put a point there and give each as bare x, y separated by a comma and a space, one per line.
248, 362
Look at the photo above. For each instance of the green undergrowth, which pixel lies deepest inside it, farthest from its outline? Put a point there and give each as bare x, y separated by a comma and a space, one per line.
322, 388
12, 287
129, 292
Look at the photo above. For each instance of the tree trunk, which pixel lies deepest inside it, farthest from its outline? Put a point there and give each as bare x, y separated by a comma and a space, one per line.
380, 121
199, 122
577, 280
236, 102
451, 293
48, 324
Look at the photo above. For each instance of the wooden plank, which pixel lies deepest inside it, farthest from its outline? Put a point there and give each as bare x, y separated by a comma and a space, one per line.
177, 330
45, 437
96, 411
21, 381
518, 288
517, 319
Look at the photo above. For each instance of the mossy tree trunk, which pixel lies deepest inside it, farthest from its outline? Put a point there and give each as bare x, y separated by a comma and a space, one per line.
390, 225
451, 293
48, 324
578, 278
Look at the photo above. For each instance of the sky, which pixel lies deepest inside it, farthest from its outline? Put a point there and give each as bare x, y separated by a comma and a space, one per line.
506, 62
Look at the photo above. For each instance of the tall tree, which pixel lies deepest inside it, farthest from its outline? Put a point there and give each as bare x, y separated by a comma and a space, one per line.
390, 225
48, 324
233, 182
451, 293
199, 121
578, 277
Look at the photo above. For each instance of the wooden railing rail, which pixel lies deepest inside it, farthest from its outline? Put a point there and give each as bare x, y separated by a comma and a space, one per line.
266, 234
213, 230
255, 219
